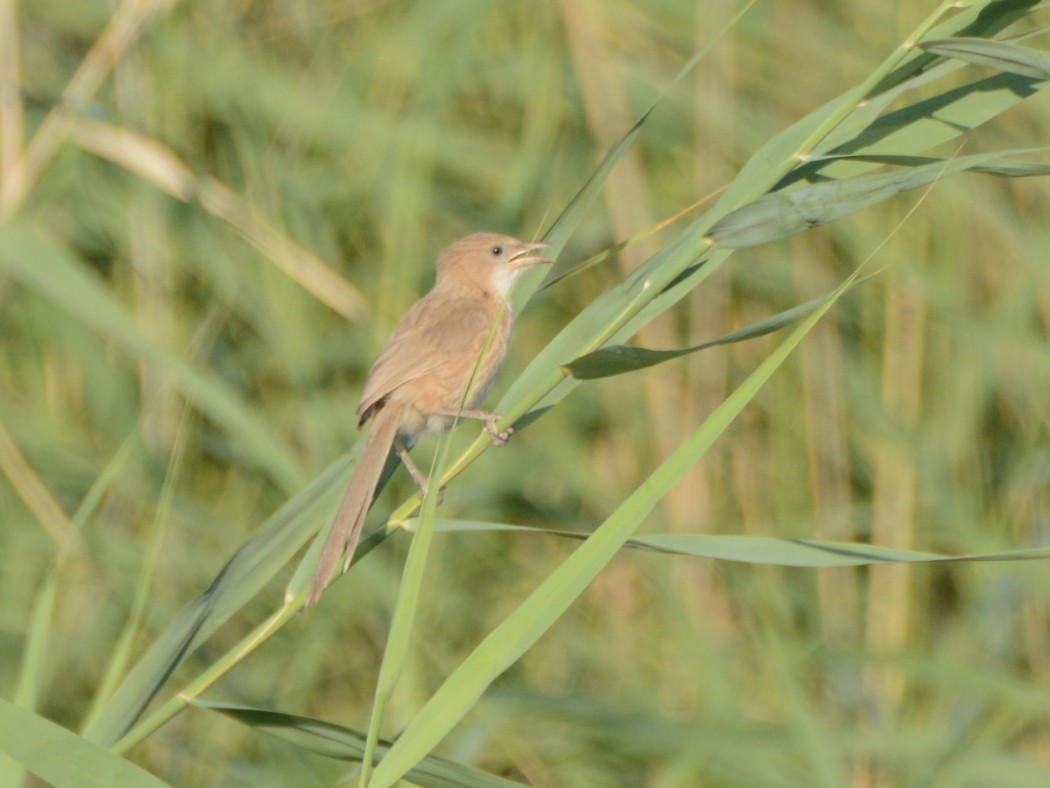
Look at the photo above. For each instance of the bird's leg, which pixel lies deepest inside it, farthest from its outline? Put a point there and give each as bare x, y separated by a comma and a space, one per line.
418, 476
490, 419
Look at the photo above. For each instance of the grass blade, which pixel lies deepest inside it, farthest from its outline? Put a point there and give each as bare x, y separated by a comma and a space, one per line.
400, 638
42, 616
62, 758
621, 359
751, 549
122, 650
1003, 167
348, 744
785, 213
1002, 55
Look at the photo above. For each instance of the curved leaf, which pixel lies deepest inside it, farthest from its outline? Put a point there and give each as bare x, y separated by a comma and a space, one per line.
1003, 167
772, 550
787, 213
348, 744
620, 359
1002, 55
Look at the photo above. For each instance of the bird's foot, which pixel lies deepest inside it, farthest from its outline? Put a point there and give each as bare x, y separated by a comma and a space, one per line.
498, 438
440, 494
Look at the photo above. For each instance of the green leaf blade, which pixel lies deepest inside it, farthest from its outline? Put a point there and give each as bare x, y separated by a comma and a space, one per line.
1003, 55
62, 758
348, 744
785, 213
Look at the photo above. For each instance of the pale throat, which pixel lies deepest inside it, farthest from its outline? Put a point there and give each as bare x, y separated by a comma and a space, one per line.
495, 285
503, 280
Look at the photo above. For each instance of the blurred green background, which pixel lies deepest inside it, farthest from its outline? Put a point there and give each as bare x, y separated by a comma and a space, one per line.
294, 171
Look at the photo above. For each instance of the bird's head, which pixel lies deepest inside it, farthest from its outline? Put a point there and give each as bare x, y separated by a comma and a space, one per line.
489, 262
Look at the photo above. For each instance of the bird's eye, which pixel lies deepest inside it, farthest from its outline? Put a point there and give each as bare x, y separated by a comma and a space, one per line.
496, 251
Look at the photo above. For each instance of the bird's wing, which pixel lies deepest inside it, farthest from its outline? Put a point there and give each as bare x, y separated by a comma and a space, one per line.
401, 361
415, 349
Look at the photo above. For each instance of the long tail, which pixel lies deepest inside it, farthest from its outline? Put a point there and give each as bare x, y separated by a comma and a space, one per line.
349, 521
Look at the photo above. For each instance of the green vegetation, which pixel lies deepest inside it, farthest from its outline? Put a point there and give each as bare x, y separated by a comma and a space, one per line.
806, 546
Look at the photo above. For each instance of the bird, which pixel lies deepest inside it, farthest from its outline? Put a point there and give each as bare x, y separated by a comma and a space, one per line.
452, 339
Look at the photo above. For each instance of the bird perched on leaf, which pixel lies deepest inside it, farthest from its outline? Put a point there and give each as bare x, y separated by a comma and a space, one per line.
452, 339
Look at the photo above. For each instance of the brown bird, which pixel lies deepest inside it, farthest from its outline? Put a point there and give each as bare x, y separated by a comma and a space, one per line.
419, 382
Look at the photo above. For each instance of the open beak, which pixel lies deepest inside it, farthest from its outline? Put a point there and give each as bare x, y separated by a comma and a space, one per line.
524, 258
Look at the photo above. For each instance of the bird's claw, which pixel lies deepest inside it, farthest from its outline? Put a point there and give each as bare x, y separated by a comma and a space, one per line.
440, 495
498, 438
